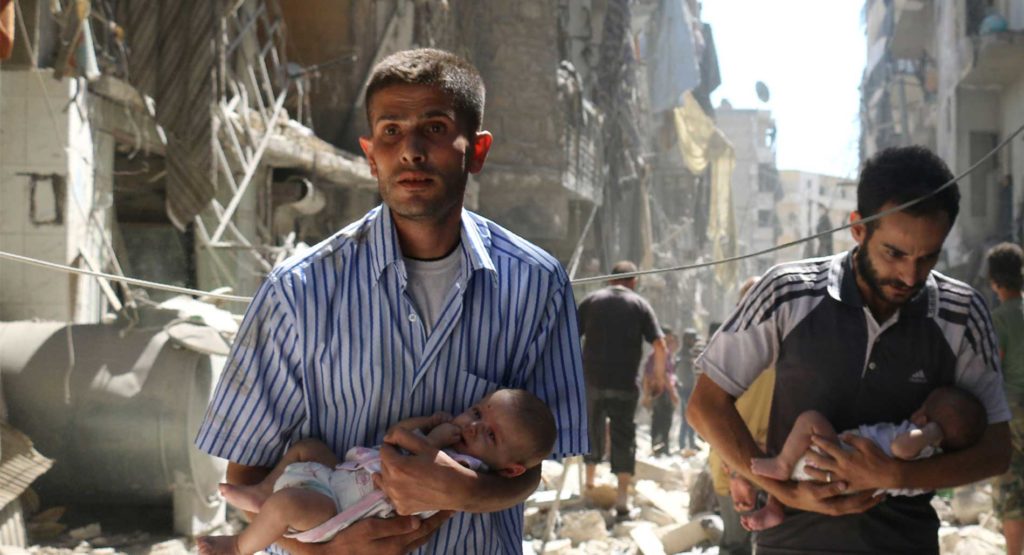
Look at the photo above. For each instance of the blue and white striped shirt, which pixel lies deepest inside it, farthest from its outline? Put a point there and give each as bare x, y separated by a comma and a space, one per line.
332, 348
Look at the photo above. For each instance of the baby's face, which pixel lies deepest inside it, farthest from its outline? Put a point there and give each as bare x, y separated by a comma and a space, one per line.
488, 432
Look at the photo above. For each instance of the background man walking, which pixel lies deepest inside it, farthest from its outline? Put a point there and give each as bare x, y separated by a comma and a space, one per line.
614, 322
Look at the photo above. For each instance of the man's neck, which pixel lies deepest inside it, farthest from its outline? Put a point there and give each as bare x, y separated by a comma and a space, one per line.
428, 240
1005, 294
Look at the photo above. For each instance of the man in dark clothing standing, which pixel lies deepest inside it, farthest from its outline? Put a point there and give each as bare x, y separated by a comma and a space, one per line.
615, 321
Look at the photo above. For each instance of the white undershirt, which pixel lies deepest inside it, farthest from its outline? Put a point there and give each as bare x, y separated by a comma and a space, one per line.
429, 282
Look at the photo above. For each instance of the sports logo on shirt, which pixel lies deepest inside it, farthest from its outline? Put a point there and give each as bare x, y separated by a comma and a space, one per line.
918, 377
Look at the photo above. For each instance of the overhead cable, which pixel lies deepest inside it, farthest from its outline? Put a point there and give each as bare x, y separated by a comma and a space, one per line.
240, 299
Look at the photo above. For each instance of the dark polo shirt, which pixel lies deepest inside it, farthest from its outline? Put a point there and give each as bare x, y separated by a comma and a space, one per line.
615, 321
808, 319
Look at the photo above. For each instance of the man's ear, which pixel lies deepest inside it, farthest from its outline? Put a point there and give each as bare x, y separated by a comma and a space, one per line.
367, 146
859, 231
481, 146
512, 470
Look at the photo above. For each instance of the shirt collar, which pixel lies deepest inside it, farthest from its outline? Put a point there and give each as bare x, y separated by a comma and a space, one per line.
382, 240
842, 286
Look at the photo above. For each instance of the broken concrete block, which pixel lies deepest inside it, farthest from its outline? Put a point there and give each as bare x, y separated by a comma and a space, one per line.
970, 540
647, 540
12, 550
534, 521
655, 470
969, 502
581, 526
943, 509
557, 547
681, 537
545, 499
169, 547
656, 516
86, 532
648, 491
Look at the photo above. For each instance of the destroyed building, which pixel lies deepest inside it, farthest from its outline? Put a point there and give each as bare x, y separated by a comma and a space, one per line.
197, 144
950, 76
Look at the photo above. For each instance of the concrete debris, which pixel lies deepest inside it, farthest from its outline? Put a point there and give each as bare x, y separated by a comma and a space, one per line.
12, 550
581, 526
943, 509
656, 516
87, 532
557, 547
676, 538
671, 502
170, 547
546, 498
970, 540
647, 541
970, 501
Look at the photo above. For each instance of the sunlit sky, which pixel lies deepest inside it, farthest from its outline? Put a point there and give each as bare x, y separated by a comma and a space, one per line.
811, 55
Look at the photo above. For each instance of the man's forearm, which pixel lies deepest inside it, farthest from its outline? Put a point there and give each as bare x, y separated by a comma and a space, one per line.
712, 413
989, 457
487, 493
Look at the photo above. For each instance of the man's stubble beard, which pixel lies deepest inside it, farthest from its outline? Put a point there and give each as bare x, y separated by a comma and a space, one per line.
867, 272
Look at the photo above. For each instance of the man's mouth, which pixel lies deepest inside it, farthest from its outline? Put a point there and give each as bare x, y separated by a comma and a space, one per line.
415, 179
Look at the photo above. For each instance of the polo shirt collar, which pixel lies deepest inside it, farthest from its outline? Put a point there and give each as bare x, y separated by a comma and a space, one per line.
385, 251
842, 286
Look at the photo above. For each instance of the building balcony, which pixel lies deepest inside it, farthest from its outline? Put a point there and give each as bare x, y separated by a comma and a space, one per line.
911, 28
998, 60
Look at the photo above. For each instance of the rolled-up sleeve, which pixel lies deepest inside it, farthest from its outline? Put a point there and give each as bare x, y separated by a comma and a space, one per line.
257, 403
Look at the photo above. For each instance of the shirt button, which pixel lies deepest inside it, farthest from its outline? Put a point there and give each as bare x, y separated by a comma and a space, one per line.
412, 317
871, 366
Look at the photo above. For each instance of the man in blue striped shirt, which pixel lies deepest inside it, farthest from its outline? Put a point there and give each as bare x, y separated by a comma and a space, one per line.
417, 307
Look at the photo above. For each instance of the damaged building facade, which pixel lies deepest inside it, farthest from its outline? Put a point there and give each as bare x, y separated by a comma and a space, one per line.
950, 76
197, 144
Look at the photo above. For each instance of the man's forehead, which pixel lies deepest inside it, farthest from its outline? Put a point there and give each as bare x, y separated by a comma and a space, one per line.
410, 101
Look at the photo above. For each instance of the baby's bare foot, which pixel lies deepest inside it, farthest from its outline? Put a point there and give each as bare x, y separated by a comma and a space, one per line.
246, 498
743, 493
772, 468
762, 519
218, 545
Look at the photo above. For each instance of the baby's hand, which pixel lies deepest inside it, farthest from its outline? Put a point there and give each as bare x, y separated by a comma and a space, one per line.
440, 417
444, 434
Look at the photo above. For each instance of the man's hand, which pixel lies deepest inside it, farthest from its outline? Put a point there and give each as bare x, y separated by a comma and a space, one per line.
389, 536
865, 468
425, 480
444, 434
824, 498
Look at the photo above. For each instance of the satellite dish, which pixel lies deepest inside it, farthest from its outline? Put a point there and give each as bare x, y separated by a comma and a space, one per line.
762, 91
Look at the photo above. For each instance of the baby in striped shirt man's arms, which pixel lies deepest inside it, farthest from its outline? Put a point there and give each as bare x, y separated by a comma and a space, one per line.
311, 495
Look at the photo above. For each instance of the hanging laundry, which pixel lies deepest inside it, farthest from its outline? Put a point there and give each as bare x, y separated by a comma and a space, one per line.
672, 59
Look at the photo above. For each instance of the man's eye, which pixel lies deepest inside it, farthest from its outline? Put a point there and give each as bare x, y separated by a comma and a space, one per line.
436, 128
390, 131
492, 436
476, 412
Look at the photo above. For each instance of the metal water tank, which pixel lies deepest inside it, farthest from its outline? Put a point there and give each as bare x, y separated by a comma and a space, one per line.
118, 408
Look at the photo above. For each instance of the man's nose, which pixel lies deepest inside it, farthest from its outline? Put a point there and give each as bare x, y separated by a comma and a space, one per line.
471, 429
412, 149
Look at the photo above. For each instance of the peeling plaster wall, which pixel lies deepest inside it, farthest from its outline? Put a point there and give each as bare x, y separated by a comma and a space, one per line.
31, 142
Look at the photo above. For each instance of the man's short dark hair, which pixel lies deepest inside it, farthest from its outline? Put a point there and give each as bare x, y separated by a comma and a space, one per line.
623, 267
901, 174
452, 74
1004, 266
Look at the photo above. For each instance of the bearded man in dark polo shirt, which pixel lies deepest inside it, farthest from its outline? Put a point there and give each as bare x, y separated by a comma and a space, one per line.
862, 337
614, 323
